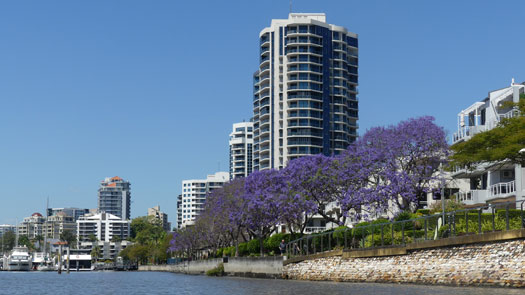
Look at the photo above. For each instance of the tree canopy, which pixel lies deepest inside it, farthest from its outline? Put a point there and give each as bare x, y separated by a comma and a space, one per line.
388, 166
500, 143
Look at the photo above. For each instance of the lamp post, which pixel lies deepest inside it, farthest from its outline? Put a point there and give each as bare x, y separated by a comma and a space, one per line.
442, 193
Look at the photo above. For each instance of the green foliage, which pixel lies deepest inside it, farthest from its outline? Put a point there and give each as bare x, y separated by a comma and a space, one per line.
501, 143
253, 246
423, 211
216, 271
272, 243
69, 237
450, 205
151, 241
8, 240
96, 253
136, 253
23, 240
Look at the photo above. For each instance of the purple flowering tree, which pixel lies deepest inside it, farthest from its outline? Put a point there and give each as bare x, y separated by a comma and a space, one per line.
395, 165
263, 212
315, 184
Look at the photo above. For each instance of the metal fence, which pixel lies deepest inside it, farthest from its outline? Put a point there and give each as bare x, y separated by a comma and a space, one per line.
380, 233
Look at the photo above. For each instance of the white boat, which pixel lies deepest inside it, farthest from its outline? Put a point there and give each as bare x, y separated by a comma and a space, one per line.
42, 262
18, 260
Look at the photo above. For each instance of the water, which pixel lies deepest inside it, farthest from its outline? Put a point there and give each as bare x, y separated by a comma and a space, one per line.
167, 283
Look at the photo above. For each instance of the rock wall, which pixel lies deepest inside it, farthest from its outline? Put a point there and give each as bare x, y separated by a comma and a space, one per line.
261, 267
494, 264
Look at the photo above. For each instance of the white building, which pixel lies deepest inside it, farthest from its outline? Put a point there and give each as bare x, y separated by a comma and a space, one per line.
491, 182
194, 192
305, 90
241, 150
103, 226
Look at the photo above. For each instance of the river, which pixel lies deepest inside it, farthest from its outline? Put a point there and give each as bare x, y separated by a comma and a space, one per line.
169, 283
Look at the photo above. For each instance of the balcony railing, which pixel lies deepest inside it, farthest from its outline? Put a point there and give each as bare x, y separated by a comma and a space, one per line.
473, 197
502, 188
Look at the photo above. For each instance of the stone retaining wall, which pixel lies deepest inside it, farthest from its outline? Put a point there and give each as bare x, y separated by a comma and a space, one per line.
494, 264
265, 267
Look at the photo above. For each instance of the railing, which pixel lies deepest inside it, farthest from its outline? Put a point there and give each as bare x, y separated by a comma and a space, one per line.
502, 188
473, 196
314, 229
510, 114
501, 217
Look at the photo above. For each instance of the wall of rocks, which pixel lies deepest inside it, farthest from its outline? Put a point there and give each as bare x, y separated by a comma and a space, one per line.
490, 264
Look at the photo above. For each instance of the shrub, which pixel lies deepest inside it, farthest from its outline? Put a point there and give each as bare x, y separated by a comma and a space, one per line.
216, 271
423, 211
272, 243
253, 246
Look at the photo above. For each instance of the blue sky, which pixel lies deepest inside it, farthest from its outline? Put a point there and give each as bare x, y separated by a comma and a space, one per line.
148, 90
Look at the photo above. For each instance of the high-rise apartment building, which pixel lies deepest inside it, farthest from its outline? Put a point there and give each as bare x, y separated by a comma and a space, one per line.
179, 211
241, 150
194, 192
114, 197
305, 90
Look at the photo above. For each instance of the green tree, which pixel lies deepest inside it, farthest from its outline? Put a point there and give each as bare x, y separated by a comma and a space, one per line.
69, 237
40, 240
23, 240
8, 240
96, 253
500, 143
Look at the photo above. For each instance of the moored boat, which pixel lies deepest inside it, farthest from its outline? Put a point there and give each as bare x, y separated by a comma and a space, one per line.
18, 260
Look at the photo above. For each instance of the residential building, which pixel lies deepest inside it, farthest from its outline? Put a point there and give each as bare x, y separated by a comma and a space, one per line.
104, 226
73, 212
5, 228
114, 197
57, 224
305, 90
194, 192
490, 182
241, 150
108, 250
32, 226
51, 228
179, 211
160, 216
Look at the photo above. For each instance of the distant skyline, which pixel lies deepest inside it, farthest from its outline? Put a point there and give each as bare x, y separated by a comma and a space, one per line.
148, 91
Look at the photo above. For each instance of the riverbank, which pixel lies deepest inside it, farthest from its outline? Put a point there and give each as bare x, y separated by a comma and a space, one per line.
251, 267
498, 263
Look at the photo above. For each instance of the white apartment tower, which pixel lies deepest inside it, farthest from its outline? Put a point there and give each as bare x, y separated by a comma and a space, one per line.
305, 90
491, 182
194, 192
241, 150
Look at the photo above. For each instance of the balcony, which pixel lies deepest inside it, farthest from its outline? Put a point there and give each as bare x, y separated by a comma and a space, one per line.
473, 197
464, 133
502, 189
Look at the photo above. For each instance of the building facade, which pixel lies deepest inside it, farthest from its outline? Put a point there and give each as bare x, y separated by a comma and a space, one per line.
160, 216
5, 228
73, 212
194, 192
241, 150
179, 211
305, 90
114, 197
103, 226
490, 182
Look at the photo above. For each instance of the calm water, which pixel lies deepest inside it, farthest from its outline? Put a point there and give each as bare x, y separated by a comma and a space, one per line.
168, 283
